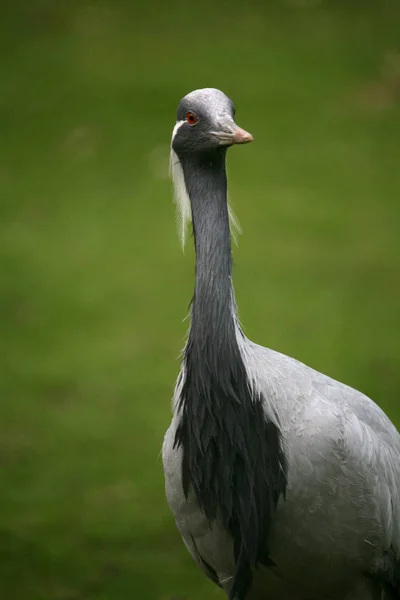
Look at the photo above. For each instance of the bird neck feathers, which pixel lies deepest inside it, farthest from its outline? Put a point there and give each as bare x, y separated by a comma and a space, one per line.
232, 455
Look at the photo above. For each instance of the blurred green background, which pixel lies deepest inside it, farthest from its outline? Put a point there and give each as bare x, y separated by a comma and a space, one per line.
94, 287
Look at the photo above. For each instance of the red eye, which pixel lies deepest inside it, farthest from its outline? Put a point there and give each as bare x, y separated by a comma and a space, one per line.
191, 118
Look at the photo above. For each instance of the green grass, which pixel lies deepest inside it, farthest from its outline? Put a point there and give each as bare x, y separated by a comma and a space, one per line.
94, 287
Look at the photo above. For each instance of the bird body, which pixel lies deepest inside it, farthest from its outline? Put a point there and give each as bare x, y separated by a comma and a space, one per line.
340, 519
284, 483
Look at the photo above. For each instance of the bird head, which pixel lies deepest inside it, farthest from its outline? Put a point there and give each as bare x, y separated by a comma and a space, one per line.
205, 122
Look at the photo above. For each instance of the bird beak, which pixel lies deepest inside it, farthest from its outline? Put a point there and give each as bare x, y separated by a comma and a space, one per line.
240, 136
232, 134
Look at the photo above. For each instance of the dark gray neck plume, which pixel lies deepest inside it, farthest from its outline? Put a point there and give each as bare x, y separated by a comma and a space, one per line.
232, 456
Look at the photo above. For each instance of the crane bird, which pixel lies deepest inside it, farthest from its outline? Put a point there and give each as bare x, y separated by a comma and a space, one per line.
284, 483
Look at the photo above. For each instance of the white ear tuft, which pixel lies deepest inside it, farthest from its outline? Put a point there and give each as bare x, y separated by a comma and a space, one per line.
181, 197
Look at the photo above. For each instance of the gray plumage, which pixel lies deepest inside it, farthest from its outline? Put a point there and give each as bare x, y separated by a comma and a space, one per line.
284, 483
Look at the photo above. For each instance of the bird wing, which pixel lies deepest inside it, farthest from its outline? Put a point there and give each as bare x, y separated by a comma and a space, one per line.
374, 444
368, 445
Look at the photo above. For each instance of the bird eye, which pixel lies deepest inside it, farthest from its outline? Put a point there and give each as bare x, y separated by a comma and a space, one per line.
191, 118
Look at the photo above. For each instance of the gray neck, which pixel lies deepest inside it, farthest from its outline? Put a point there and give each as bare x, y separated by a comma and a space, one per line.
232, 453
213, 302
